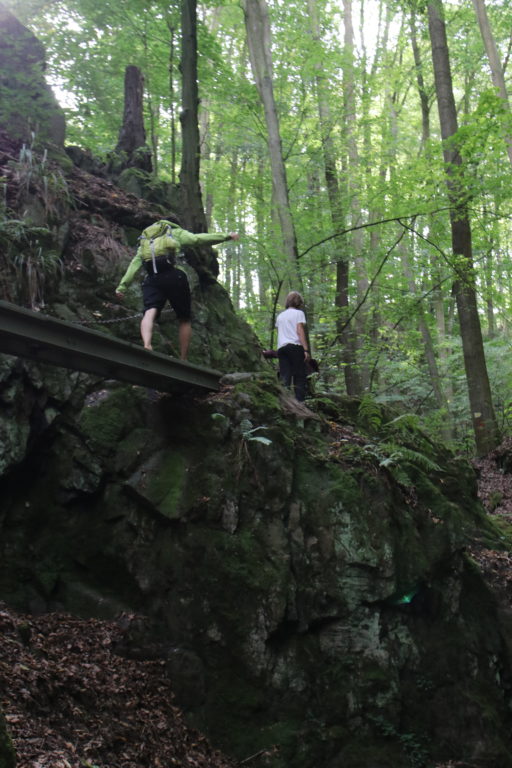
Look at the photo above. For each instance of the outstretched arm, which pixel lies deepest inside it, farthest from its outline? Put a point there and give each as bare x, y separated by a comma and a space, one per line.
302, 337
204, 238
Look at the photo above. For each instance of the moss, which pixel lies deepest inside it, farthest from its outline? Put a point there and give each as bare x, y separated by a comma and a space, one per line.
325, 489
287, 740
264, 393
47, 574
278, 737
110, 420
139, 443
496, 533
363, 751
231, 693
166, 485
240, 558
7, 754
336, 407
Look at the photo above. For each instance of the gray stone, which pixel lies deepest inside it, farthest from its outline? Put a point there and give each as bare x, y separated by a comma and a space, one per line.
28, 106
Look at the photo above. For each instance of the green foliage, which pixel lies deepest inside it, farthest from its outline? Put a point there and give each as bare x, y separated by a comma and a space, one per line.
395, 455
396, 458
29, 257
26, 262
412, 744
370, 413
404, 424
248, 433
33, 174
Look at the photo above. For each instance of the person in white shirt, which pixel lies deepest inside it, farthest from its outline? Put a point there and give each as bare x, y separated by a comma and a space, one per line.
292, 346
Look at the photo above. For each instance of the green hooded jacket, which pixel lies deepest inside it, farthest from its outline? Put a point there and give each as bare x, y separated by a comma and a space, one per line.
160, 239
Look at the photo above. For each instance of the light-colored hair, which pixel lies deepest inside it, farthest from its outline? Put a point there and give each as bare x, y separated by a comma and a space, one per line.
294, 299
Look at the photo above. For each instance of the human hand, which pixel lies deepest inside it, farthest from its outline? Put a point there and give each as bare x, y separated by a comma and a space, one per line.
119, 295
234, 236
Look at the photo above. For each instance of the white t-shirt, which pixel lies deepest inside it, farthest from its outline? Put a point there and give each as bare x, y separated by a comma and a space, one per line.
286, 324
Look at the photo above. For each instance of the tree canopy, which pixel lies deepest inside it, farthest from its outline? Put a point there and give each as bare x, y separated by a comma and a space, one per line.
365, 163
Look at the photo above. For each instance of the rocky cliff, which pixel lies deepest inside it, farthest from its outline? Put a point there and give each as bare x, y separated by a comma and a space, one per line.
27, 104
302, 573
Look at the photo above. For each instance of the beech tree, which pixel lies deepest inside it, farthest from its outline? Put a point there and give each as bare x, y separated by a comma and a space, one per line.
498, 75
193, 214
258, 40
338, 218
482, 411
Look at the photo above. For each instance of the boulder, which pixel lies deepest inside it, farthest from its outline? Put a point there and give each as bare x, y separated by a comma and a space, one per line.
28, 107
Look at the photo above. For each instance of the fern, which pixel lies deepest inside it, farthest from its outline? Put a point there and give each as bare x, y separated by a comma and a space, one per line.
398, 454
395, 458
369, 412
404, 422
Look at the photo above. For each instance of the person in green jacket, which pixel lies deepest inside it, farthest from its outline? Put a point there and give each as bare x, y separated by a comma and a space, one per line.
164, 281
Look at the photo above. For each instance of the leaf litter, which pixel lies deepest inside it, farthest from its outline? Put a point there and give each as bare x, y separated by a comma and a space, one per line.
71, 702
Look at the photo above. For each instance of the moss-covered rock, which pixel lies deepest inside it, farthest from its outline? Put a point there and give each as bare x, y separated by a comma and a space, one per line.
27, 104
313, 569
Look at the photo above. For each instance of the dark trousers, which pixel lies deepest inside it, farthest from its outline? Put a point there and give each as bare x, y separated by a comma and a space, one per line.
293, 367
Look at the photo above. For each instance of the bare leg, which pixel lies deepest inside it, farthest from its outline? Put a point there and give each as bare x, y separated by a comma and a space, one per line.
184, 335
146, 326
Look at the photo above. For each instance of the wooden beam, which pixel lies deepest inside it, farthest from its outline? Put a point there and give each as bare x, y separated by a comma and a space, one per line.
46, 339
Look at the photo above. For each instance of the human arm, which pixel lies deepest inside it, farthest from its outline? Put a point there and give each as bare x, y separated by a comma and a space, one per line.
301, 333
204, 238
129, 275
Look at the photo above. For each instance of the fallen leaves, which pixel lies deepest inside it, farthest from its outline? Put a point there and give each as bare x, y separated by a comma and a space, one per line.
71, 702
495, 493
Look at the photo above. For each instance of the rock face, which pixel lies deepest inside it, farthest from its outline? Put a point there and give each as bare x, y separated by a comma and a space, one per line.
309, 593
27, 103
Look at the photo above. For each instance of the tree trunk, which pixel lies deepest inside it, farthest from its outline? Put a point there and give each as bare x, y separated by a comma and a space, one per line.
258, 40
482, 411
498, 76
232, 255
422, 91
264, 280
352, 381
132, 136
430, 355
438, 300
356, 239
171, 102
154, 122
192, 209
212, 21
489, 289
153, 106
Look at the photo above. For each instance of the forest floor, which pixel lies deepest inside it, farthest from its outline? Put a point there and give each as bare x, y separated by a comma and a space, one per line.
495, 492
72, 701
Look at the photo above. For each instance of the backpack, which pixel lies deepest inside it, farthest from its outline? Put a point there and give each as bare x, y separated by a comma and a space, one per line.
157, 244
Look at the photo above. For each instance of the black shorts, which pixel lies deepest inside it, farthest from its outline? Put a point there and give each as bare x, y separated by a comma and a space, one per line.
171, 285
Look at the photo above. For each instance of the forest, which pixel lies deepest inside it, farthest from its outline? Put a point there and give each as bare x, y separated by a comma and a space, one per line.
362, 150
218, 574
